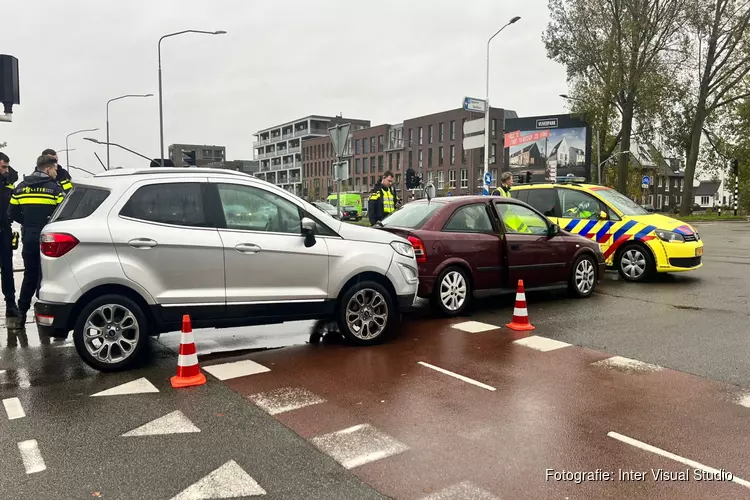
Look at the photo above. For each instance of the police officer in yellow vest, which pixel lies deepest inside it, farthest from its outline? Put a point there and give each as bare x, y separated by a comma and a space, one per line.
511, 220
581, 211
63, 176
382, 201
506, 181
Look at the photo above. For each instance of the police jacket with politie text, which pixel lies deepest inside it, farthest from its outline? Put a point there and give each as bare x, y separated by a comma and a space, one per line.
7, 184
34, 200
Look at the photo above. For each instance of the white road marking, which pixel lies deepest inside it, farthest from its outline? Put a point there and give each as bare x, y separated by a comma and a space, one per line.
744, 400
456, 375
474, 327
139, 386
13, 408
358, 445
31, 456
172, 423
285, 399
462, 491
235, 369
541, 343
228, 481
672, 456
2, 371
627, 364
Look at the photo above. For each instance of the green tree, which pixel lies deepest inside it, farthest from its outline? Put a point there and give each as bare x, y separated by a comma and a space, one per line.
621, 51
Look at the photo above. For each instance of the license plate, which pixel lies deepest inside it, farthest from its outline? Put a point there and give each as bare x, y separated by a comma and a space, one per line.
699, 252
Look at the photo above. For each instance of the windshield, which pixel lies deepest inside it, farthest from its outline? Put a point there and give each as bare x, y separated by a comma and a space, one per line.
621, 202
411, 215
324, 206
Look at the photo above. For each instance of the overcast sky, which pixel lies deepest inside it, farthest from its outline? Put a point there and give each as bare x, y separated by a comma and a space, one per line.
384, 60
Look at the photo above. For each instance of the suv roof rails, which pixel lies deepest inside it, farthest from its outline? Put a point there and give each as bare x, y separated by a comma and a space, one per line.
175, 170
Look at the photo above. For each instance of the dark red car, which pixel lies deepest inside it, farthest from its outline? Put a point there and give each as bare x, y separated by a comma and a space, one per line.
475, 246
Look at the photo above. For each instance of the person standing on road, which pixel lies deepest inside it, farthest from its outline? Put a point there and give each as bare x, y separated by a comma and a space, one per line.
31, 205
506, 181
382, 202
8, 177
63, 176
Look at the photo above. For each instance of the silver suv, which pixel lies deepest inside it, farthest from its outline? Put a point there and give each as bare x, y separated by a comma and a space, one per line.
130, 251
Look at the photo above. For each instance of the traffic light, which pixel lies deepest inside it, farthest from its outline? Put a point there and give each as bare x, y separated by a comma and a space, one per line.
735, 166
190, 157
156, 163
410, 178
417, 181
528, 177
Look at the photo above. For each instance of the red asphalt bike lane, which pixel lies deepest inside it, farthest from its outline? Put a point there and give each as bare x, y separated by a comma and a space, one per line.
550, 410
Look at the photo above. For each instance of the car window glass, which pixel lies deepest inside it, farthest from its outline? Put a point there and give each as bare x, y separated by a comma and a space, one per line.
412, 215
521, 220
544, 200
578, 205
255, 209
521, 194
80, 203
470, 219
178, 203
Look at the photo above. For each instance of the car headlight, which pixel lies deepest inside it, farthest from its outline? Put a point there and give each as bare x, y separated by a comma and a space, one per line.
404, 249
669, 235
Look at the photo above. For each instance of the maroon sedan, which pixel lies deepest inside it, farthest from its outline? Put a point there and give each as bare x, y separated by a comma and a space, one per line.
478, 246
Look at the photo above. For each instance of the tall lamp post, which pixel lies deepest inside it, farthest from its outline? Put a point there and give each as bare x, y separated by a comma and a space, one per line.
117, 99
487, 100
67, 149
161, 112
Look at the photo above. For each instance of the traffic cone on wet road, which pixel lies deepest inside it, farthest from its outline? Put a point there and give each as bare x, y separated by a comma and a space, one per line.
520, 313
188, 371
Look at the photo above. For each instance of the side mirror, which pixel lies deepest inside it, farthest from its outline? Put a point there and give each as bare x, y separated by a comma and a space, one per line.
553, 230
603, 215
308, 231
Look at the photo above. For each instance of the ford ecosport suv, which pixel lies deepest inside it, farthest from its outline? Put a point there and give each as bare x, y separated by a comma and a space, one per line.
130, 251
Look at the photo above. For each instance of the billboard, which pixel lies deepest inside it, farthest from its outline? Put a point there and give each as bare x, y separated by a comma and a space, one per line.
548, 146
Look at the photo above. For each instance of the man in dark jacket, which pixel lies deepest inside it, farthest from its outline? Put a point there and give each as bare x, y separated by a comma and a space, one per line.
31, 205
8, 177
63, 176
382, 202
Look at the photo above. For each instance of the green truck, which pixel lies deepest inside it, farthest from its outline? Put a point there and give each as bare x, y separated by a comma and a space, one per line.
350, 203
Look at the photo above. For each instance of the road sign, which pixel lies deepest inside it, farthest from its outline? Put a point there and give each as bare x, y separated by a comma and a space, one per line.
488, 178
474, 126
341, 171
450, 193
474, 141
485, 191
646, 180
339, 136
476, 105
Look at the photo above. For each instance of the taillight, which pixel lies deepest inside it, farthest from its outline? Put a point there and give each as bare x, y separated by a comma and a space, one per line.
419, 251
57, 244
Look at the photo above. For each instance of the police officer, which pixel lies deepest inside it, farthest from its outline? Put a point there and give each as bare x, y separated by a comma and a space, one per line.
382, 202
31, 205
63, 176
8, 177
581, 211
506, 181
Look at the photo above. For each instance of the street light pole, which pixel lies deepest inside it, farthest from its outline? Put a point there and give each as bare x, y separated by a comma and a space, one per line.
67, 150
96, 141
161, 109
116, 99
487, 100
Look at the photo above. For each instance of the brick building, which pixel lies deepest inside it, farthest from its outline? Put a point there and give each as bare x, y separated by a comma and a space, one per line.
317, 161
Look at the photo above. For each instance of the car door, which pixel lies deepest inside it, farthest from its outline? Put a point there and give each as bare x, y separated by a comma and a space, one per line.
593, 227
470, 236
532, 255
268, 269
167, 244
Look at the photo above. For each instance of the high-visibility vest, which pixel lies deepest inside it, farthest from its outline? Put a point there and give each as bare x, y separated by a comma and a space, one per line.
389, 205
501, 192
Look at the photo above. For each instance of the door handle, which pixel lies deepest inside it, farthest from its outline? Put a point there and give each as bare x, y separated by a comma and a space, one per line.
142, 243
247, 248
515, 247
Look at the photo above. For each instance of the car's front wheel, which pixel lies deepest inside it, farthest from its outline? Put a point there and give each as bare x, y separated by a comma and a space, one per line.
111, 333
583, 277
634, 263
452, 292
367, 313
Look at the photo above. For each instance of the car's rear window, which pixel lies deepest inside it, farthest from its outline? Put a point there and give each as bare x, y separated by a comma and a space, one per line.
80, 203
411, 215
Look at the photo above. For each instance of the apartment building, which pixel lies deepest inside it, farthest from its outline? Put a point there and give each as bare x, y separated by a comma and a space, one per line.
279, 148
433, 147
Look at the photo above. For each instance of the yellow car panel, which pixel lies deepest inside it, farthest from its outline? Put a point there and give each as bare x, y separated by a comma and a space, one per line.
674, 245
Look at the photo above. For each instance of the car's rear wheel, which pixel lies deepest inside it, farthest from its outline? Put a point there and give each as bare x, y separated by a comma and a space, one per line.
452, 292
111, 333
583, 277
367, 313
634, 263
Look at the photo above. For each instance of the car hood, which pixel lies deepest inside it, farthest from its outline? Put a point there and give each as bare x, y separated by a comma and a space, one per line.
370, 234
663, 222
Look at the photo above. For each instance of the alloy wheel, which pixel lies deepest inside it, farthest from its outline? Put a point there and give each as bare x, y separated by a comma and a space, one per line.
633, 263
453, 291
367, 314
584, 276
111, 333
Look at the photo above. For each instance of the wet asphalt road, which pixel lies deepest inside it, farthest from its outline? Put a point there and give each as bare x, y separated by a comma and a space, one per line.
397, 417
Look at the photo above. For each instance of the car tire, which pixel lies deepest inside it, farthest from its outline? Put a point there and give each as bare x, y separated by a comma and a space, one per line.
446, 298
128, 327
583, 277
634, 263
367, 314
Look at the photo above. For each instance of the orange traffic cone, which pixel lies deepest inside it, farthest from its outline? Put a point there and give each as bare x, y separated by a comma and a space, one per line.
188, 371
520, 314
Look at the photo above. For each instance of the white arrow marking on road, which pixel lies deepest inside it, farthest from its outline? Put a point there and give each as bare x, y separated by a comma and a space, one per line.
142, 385
13, 408
31, 456
228, 481
172, 423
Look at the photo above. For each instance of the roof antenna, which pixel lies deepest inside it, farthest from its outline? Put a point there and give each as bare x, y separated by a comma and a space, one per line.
100, 160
